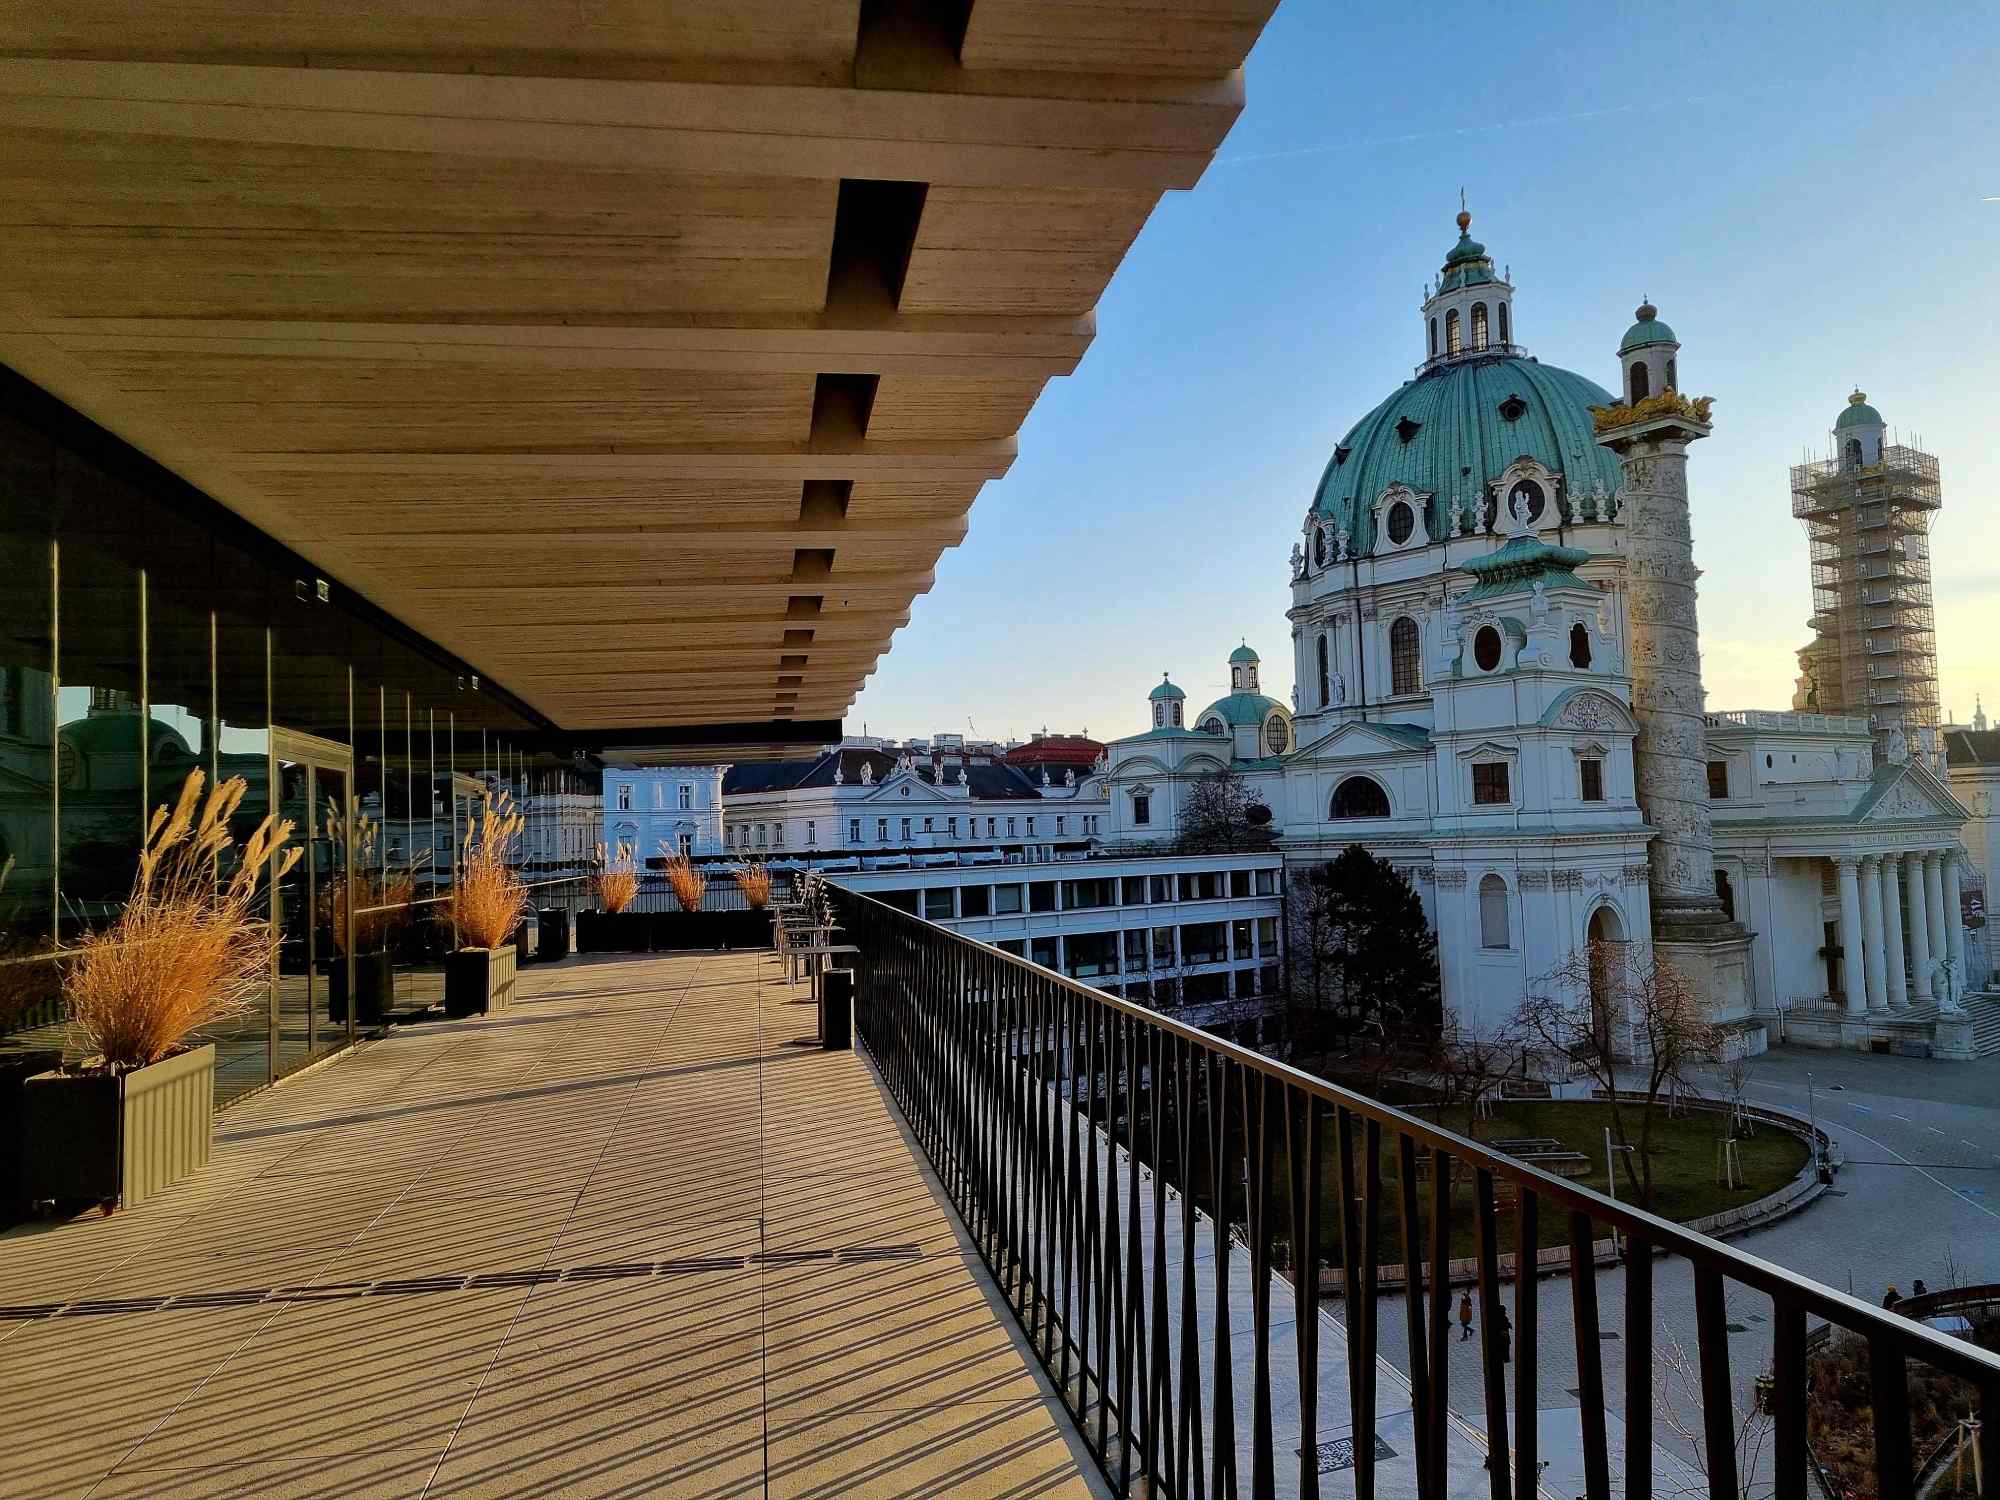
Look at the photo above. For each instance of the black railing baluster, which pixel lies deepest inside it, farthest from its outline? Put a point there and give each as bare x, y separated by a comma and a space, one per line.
1638, 1366
1119, 1370
1988, 1438
1413, 1312
1439, 1404
1367, 1335
1889, 1392
1093, 1201
1160, 1430
1491, 1350
1188, 1468
1257, 1091
1350, 1255
1303, 1153
1067, 1122
1589, 1359
1718, 1406
1788, 1400
1527, 1394
1222, 1191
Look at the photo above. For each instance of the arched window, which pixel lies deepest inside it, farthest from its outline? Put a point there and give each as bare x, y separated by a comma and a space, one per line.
1177, 713
1322, 672
1854, 453
1579, 647
1493, 923
1277, 734
1673, 379
1159, 715
1319, 547
1641, 387
1725, 894
1212, 725
1434, 338
1506, 335
1479, 325
1405, 669
1452, 341
1359, 797
1236, 678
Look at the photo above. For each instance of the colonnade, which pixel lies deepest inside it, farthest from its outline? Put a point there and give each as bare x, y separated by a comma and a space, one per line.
1888, 964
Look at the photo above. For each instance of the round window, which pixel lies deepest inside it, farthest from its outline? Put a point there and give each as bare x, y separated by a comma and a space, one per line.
1486, 648
1525, 501
1402, 521
1319, 549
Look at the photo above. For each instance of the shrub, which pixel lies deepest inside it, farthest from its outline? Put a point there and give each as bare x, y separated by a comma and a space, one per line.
488, 896
689, 884
189, 949
616, 880
755, 883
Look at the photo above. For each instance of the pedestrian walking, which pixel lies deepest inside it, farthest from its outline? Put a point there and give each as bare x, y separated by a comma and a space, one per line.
1506, 1337
1918, 1289
1464, 1316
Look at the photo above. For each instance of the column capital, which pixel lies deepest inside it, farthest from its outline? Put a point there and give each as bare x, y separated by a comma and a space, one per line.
1870, 861
1846, 863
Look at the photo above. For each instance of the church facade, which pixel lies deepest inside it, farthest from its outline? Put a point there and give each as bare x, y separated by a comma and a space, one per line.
1495, 646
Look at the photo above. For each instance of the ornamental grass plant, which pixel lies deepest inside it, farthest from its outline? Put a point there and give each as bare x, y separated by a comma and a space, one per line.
755, 883
191, 948
616, 879
382, 899
689, 884
489, 895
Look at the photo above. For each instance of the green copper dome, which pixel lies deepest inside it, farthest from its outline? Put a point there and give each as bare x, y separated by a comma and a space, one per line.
1239, 708
1166, 689
1648, 330
1243, 653
1455, 429
1858, 413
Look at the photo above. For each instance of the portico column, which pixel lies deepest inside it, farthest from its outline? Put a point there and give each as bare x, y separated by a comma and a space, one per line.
1954, 924
1892, 935
1920, 929
1934, 905
1853, 986
1871, 931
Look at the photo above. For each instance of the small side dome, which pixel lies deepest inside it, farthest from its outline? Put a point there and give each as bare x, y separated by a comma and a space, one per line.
1166, 690
1243, 653
1648, 330
1858, 413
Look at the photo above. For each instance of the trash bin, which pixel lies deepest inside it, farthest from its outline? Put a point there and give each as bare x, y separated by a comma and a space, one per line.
551, 934
836, 1010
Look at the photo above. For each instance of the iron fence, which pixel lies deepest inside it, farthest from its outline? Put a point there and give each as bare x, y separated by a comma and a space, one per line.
1118, 1169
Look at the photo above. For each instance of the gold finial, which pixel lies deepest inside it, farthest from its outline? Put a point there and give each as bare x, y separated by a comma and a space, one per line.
1859, 397
1464, 218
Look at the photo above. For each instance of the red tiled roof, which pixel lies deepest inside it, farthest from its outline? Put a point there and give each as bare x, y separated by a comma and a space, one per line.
1055, 750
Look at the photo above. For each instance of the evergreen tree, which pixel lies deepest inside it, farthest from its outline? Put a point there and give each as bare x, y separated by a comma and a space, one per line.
1363, 950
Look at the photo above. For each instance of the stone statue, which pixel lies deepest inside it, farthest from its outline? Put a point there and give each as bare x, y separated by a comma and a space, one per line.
1069, 777
839, 776
1298, 561
1045, 775
1540, 605
1295, 697
1336, 689
867, 773
1898, 749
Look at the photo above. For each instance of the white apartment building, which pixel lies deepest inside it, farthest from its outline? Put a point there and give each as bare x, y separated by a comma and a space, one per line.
656, 813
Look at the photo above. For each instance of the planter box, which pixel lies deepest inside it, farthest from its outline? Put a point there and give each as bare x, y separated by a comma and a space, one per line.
552, 935
686, 930
479, 981
374, 987
523, 939
17, 1066
117, 1138
613, 932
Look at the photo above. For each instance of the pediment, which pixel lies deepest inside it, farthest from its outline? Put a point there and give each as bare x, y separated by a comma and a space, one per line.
893, 790
1354, 740
1909, 794
1589, 709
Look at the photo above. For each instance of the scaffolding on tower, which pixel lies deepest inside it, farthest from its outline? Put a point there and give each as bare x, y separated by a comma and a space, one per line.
1874, 647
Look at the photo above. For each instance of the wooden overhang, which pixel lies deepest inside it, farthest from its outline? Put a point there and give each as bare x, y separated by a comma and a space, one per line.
645, 354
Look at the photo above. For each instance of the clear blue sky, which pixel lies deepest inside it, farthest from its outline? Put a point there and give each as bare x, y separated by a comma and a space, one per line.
1799, 188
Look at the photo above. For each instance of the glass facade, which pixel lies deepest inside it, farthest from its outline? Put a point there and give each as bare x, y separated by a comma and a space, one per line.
145, 633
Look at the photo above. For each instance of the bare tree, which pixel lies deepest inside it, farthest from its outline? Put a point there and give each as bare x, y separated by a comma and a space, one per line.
1221, 816
1680, 1411
1583, 1006
1472, 1067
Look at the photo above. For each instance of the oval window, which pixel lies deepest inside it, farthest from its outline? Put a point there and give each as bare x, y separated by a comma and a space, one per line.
1525, 501
1319, 549
1402, 521
1486, 648
1275, 734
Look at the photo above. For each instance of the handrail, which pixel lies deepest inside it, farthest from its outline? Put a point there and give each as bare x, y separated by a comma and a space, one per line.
993, 1090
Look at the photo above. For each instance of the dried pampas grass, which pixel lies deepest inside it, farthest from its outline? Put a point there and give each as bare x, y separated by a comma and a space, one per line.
488, 896
755, 883
190, 948
616, 879
689, 884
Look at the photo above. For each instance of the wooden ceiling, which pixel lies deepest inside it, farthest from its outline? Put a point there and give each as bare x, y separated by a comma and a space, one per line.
644, 353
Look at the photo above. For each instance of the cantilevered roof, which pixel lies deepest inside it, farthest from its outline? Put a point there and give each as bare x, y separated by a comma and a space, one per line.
646, 356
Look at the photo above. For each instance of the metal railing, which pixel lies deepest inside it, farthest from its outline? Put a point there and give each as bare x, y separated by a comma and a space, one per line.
1092, 1147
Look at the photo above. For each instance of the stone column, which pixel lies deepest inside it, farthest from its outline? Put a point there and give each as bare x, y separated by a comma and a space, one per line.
1895, 982
1872, 956
1853, 986
1934, 905
1668, 755
1920, 929
1954, 924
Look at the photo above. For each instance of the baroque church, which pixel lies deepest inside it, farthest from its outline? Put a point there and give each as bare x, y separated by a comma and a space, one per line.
1494, 642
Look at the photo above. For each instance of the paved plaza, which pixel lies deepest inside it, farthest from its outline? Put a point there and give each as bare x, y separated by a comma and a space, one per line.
631, 1237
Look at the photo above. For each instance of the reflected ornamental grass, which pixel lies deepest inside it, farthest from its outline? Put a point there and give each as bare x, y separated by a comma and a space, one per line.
489, 896
188, 950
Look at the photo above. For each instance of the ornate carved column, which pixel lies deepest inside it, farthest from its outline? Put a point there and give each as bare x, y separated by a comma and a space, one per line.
1892, 933
1853, 984
1920, 929
1669, 752
1872, 956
